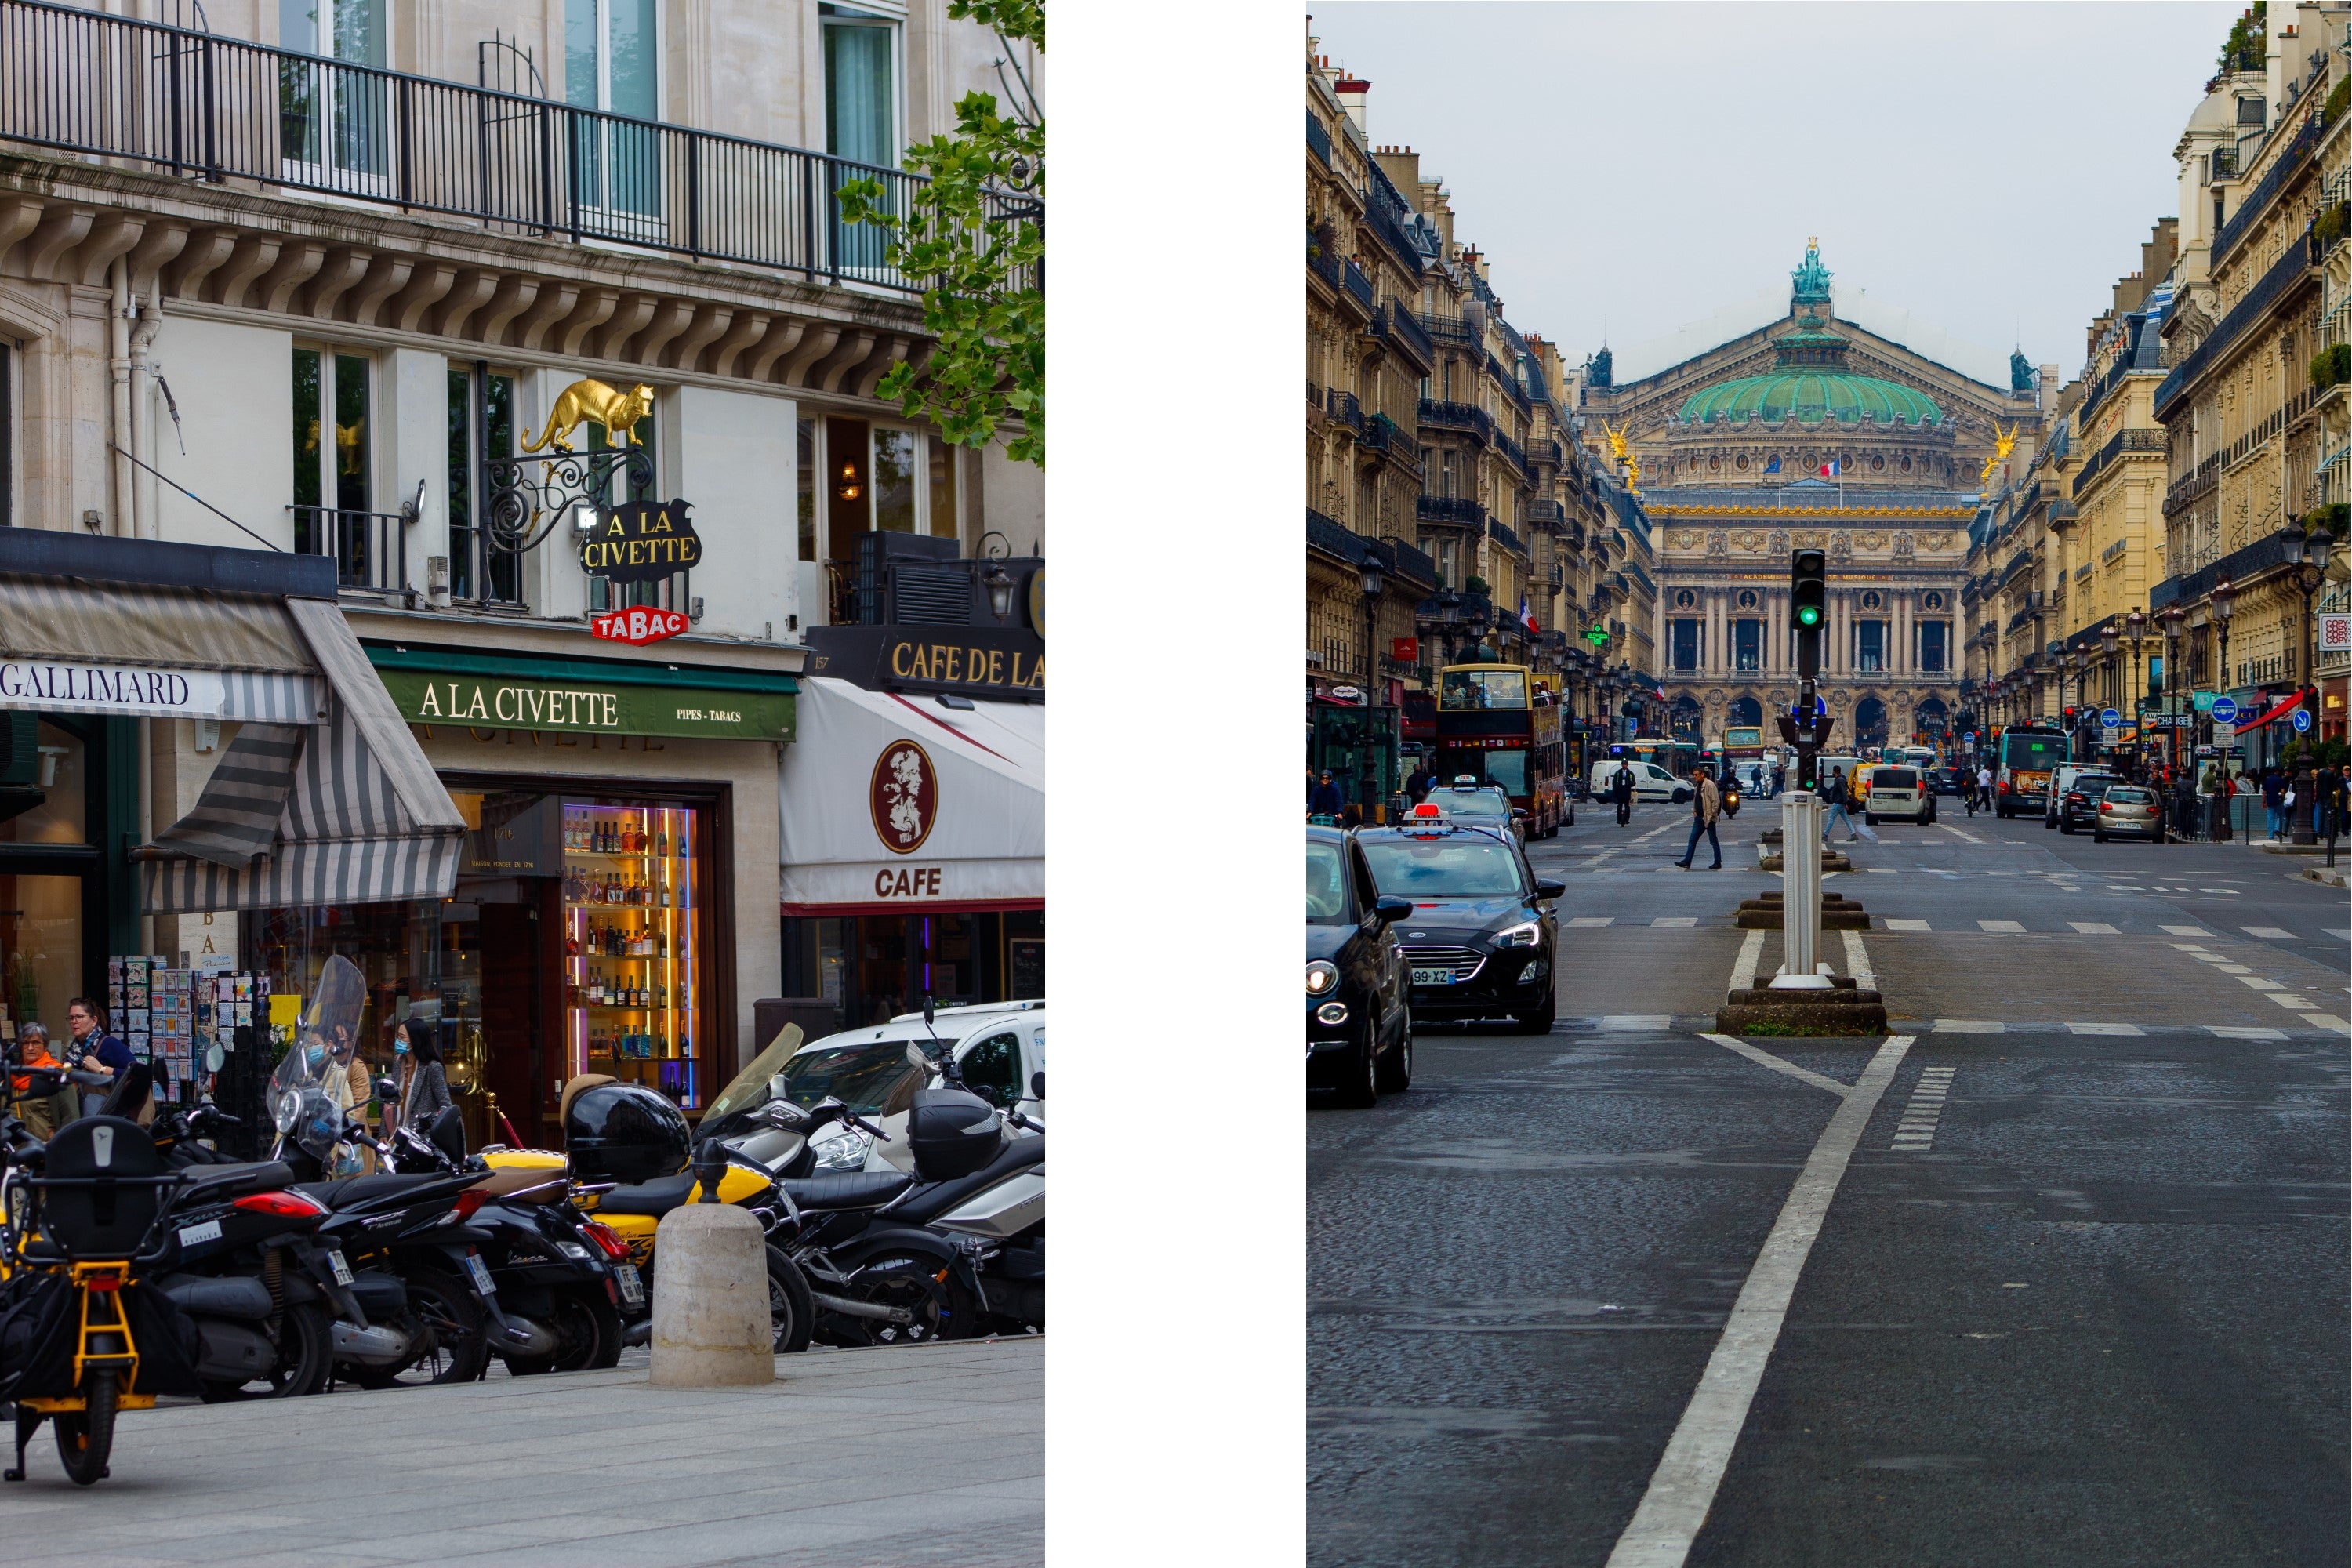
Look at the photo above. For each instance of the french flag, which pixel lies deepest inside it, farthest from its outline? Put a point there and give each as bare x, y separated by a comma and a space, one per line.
1830, 469
1527, 617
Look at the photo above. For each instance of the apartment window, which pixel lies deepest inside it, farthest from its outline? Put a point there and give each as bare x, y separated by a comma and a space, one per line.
945, 518
330, 443
894, 481
611, 63
1447, 554
1685, 644
333, 121
1933, 652
481, 430
807, 431
861, 112
880, 477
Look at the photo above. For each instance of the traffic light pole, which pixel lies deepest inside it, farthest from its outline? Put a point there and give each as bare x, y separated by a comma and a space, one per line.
1801, 808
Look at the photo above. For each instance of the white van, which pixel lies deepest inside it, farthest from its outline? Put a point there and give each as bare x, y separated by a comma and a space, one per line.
1651, 782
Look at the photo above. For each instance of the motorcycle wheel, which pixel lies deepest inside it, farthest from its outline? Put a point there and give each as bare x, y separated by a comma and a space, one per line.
306, 1349
85, 1438
454, 1346
589, 1328
942, 1308
791, 1312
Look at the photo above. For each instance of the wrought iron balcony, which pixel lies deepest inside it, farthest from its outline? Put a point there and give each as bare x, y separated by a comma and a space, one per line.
199, 105
1396, 322
1318, 141
369, 547
1381, 434
1346, 410
1326, 265
1359, 285
1459, 510
1466, 416
1513, 450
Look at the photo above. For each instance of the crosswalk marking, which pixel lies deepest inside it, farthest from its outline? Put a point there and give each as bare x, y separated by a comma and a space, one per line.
2253, 980
1969, 1027
1916, 1131
1618, 1021
2184, 930
2228, 1032
2002, 927
1895, 924
1675, 922
2105, 1029
2288, 999
2269, 933
2327, 1021
2095, 928
1594, 921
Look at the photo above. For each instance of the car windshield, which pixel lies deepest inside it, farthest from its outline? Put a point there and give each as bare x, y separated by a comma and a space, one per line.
2093, 783
2126, 795
874, 1078
1459, 866
1326, 885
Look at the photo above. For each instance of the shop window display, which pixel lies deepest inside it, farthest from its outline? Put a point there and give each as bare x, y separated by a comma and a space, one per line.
632, 955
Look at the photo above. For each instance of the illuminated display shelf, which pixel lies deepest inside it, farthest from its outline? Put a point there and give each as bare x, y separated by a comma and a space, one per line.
656, 1043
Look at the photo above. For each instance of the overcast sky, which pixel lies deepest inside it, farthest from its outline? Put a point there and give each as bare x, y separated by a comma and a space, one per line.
1629, 169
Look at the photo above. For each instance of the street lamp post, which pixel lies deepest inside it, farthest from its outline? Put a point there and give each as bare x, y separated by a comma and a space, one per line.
2172, 617
1372, 578
2309, 559
2136, 634
2108, 641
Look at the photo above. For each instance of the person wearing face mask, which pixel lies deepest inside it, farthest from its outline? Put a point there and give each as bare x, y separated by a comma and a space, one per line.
426, 1094
403, 1069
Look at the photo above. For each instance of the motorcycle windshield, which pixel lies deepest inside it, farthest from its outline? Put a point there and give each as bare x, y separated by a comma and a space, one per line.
302, 1101
755, 1085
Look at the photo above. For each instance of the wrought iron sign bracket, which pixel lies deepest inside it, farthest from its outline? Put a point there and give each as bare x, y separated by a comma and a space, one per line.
530, 497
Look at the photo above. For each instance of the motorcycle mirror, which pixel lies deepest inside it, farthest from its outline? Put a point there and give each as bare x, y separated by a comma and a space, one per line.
927, 1009
1037, 1083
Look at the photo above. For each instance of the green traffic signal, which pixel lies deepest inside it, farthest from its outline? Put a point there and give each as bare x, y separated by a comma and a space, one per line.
1808, 616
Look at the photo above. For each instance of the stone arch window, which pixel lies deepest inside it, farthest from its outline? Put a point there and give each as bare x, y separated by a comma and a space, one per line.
1740, 461
1685, 600
1714, 461
1877, 464
1907, 463
1747, 599
1871, 601
1931, 600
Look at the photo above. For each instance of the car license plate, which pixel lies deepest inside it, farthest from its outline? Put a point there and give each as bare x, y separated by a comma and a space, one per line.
480, 1273
341, 1269
197, 1234
1432, 977
632, 1284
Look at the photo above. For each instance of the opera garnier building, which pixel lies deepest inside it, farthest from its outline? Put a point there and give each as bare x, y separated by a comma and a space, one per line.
1812, 429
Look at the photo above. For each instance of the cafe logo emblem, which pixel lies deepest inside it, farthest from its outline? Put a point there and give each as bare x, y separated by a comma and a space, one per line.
904, 797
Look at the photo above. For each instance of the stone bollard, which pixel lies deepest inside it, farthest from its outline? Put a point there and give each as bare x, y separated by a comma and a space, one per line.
710, 1300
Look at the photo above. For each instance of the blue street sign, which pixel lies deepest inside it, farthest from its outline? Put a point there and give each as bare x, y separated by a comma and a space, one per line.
2110, 718
2302, 721
1970, 737
2225, 710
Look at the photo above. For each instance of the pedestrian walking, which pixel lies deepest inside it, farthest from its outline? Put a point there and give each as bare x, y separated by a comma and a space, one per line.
2184, 805
1706, 802
1621, 790
95, 1060
1984, 789
1835, 795
1419, 781
1326, 800
427, 1095
2275, 802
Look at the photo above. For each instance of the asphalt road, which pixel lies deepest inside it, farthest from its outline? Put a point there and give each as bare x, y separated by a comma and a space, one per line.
2078, 1295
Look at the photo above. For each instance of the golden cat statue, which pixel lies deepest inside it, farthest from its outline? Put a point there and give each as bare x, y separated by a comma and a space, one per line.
591, 402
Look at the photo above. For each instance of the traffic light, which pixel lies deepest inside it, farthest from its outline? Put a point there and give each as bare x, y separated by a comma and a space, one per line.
1809, 588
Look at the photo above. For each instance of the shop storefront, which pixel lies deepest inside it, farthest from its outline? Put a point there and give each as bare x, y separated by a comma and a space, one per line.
593, 925
913, 824
299, 780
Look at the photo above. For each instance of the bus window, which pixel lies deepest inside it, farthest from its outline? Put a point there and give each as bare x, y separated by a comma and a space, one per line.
1509, 769
1484, 689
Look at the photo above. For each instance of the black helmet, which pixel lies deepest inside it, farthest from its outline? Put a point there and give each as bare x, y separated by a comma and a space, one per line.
624, 1132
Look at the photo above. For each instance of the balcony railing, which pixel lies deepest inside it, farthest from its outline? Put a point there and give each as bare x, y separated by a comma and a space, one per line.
2255, 203
1457, 510
1359, 285
1326, 265
1513, 450
1318, 141
368, 547
1405, 328
1346, 410
2292, 267
1382, 433
218, 108
1466, 416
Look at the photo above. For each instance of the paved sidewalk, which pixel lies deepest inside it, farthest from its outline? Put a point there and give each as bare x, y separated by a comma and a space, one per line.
870, 1458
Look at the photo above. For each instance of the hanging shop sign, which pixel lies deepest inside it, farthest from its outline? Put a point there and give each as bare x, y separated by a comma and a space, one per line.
1003, 662
510, 702
641, 542
904, 797
639, 626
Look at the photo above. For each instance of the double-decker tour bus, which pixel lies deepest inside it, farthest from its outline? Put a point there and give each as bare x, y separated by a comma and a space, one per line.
2028, 755
1496, 725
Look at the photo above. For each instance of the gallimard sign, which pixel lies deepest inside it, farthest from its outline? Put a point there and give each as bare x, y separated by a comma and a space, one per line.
112, 688
492, 702
642, 541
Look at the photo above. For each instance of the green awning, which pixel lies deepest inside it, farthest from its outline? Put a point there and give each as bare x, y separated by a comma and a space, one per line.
584, 696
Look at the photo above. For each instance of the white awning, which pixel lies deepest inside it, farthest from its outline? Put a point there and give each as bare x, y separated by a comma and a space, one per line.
75, 644
898, 803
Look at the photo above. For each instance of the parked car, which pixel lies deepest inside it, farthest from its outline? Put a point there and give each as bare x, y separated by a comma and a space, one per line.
1359, 1011
2129, 811
1901, 790
2078, 801
1651, 782
875, 1070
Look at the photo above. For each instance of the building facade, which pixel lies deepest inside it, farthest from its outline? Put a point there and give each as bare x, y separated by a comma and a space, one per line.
1812, 431
353, 306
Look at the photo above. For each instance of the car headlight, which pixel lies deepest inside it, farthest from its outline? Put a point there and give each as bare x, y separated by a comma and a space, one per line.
846, 1153
1527, 933
1322, 978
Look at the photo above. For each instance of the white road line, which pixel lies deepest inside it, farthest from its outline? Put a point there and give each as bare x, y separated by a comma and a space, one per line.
2093, 928
1894, 924
1620, 1021
1683, 1487
1857, 961
2189, 947
1743, 968
2222, 967
2290, 1000
1958, 834
1969, 1027
2340, 935
2105, 1029
2000, 927
2231, 892
1645, 837
2228, 1032
2254, 981
2327, 1021
2269, 933
1593, 922
1764, 1059
1675, 922
2184, 930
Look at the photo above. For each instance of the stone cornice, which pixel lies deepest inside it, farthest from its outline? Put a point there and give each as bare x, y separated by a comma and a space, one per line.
1662, 515
367, 275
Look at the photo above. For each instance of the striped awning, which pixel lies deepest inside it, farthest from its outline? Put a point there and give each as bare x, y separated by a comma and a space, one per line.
347, 811
74, 644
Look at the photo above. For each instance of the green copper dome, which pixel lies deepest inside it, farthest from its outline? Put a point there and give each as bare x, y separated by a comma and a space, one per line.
1809, 382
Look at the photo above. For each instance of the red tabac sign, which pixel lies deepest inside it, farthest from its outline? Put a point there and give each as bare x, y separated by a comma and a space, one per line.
639, 626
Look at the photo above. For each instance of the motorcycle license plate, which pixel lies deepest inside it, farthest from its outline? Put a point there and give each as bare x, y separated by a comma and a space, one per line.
1432, 977
197, 1234
341, 1269
632, 1284
480, 1273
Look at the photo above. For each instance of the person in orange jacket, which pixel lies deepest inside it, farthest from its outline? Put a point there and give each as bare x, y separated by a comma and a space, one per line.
34, 1093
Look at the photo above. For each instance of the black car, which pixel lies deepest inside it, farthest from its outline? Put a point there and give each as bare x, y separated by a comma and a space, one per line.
1481, 939
2079, 806
1358, 1019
